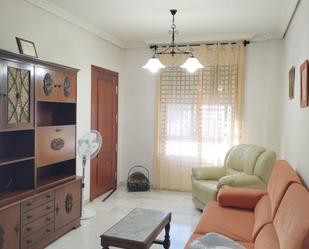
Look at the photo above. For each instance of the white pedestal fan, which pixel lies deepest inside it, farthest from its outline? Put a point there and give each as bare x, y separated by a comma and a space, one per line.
88, 147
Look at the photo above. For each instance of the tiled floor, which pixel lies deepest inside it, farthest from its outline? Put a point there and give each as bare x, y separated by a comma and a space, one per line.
184, 220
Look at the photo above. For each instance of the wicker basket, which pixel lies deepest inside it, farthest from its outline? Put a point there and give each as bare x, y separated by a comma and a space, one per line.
138, 181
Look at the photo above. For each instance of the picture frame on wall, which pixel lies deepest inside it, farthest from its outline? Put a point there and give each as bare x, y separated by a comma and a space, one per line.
304, 84
291, 82
26, 47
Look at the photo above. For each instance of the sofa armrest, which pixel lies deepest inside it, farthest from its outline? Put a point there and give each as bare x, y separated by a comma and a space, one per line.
240, 197
208, 173
241, 180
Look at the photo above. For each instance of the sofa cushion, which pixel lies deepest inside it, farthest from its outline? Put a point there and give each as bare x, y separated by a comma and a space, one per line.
262, 215
234, 223
240, 197
243, 157
264, 165
204, 190
282, 176
267, 238
292, 218
241, 180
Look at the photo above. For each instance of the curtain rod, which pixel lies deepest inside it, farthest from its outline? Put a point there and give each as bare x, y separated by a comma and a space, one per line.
245, 42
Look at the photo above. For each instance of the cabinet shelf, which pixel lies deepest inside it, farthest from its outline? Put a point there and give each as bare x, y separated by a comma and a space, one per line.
16, 159
55, 126
14, 195
17, 129
52, 181
55, 113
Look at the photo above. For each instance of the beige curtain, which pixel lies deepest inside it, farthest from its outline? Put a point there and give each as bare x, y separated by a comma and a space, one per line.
199, 115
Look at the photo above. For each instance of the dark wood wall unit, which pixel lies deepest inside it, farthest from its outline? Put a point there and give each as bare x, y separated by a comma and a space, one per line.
40, 195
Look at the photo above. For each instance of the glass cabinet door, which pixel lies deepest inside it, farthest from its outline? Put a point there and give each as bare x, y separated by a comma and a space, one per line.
18, 103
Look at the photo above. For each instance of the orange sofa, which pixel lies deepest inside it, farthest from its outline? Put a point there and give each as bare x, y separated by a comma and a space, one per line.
276, 218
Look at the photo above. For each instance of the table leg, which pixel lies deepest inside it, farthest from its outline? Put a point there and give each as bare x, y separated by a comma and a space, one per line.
167, 242
105, 246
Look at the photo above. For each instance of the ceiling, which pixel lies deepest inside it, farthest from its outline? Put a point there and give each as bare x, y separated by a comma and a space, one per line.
136, 23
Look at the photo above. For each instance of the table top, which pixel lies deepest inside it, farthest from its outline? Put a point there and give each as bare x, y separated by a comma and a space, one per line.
139, 225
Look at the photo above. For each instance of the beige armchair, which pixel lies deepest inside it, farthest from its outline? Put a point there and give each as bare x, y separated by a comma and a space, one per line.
246, 166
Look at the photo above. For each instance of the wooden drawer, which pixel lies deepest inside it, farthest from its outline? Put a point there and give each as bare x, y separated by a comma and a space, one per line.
37, 201
54, 144
37, 236
36, 213
32, 227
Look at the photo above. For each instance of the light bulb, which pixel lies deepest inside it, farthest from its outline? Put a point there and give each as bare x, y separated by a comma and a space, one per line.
192, 64
153, 65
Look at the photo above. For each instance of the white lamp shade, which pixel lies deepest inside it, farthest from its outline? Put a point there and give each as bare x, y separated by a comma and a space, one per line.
192, 64
153, 65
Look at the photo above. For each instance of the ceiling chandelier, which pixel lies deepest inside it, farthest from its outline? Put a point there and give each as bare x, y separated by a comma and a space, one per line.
154, 64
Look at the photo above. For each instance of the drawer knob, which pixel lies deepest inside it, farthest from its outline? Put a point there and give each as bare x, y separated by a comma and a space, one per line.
48, 196
29, 216
48, 207
48, 219
29, 204
29, 241
48, 230
29, 229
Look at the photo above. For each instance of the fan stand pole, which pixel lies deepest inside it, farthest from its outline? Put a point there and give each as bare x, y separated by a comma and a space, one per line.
86, 213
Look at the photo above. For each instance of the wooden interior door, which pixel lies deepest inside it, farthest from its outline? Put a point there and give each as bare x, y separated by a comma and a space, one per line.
104, 118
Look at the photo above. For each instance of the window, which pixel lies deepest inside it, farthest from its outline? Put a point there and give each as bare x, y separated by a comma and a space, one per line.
199, 115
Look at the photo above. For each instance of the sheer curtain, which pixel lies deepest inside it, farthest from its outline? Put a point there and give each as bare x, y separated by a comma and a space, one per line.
199, 115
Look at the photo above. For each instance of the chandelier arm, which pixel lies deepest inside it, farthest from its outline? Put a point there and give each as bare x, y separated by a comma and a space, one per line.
165, 51
175, 52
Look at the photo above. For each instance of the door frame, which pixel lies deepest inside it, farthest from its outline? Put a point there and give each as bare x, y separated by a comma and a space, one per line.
94, 119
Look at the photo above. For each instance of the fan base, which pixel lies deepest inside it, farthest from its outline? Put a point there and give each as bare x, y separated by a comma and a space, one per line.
88, 214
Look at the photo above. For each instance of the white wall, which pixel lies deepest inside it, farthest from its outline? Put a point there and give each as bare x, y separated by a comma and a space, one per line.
61, 42
139, 113
139, 90
295, 120
261, 115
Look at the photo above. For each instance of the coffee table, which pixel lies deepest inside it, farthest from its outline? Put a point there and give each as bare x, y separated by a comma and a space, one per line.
138, 230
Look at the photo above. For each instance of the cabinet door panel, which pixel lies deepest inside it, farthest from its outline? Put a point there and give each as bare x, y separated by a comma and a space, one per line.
67, 204
67, 89
46, 84
9, 228
18, 102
